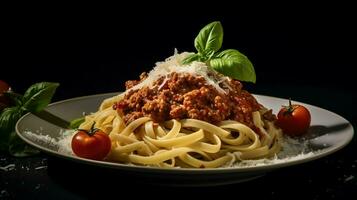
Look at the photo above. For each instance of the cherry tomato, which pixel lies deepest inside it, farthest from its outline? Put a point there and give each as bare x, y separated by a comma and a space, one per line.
93, 144
294, 120
3, 86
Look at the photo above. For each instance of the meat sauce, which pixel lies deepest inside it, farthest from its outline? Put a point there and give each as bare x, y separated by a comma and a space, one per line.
183, 95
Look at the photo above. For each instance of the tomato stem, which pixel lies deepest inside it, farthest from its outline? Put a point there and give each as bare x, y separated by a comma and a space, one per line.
289, 109
92, 127
91, 131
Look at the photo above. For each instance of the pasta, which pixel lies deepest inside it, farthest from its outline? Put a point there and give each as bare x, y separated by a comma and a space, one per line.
174, 142
184, 142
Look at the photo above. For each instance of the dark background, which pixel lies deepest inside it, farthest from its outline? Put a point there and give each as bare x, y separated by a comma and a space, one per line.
96, 53
295, 52
306, 54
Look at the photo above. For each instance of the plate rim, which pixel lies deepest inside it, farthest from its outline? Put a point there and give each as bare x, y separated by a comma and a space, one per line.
127, 167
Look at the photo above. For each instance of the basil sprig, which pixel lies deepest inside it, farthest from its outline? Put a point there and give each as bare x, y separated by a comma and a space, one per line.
35, 99
229, 62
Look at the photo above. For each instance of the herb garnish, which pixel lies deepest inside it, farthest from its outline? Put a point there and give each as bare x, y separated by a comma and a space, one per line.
229, 62
35, 99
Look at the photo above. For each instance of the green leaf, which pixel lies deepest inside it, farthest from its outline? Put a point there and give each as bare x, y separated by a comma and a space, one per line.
38, 96
191, 58
35, 99
8, 119
76, 123
232, 63
19, 148
209, 39
208, 55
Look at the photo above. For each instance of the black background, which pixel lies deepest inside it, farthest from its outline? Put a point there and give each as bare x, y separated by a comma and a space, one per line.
96, 53
304, 53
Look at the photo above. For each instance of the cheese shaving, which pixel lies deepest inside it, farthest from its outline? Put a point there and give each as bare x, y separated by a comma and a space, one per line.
173, 64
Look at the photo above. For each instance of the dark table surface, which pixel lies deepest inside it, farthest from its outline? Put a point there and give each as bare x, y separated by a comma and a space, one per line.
47, 177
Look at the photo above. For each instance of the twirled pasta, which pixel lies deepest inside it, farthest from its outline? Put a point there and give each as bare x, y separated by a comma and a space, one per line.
186, 142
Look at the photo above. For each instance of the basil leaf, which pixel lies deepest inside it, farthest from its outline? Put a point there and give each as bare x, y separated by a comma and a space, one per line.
189, 59
35, 99
76, 123
208, 54
209, 39
38, 96
8, 119
232, 63
19, 148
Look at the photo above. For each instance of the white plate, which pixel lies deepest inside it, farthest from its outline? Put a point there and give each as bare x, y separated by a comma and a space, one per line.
328, 133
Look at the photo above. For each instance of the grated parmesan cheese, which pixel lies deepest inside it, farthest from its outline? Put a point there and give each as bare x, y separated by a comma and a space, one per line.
62, 144
173, 64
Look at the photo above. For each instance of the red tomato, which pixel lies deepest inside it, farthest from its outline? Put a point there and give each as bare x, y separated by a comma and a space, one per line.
93, 144
294, 120
4, 86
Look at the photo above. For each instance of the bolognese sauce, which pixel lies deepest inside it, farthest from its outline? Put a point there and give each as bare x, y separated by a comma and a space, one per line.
183, 95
